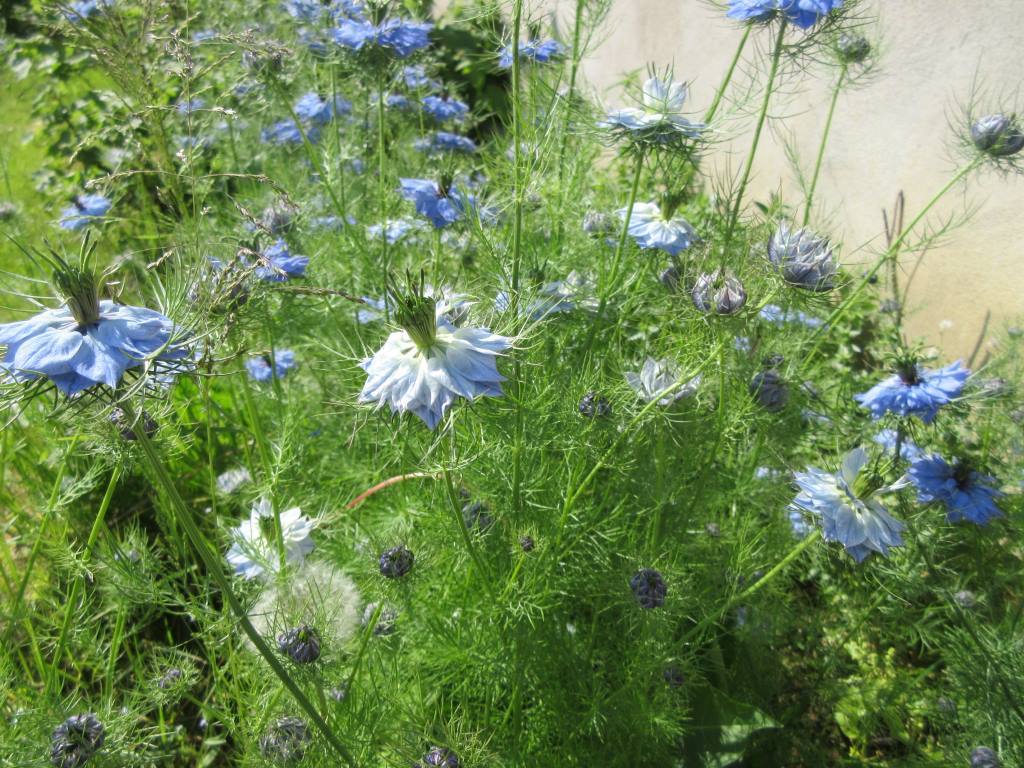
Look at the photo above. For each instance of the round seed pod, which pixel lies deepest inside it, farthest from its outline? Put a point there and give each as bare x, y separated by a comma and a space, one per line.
649, 588
770, 390
300, 644
396, 562
595, 406
441, 756
75, 740
998, 135
286, 740
985, 757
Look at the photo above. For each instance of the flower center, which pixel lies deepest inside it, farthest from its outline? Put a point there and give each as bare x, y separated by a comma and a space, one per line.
78, 289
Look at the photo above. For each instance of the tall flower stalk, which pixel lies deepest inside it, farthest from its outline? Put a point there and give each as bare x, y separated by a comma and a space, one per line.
517, 245
813, 186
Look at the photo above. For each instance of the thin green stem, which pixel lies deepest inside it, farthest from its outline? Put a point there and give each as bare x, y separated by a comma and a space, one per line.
720, 93
460, 522
746, 594
519, 435
214, 566
382, 191
821, 147
762, 119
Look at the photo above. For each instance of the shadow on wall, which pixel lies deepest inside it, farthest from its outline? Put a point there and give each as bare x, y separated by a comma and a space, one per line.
887, 136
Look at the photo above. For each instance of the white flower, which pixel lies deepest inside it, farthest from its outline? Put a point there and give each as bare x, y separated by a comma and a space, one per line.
316, 594
424, 367
852, 517
655, 377
664, 96
661, 118
254, 552
233, 479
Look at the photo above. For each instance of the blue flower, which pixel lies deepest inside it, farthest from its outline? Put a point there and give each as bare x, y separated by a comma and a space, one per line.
398, 101
650, 229
536, 51
189, 106
777, 315
443, 108
430, 363
909, 450
79, 10
288, 132
204, 35
260, 368
401, 37
85, 210
914, 391
304, 10
441, 142
314, 110
76, 356
278, 265
961, 489
392, 230
416, 77
660, 119
800, 13
443, 206
852, 517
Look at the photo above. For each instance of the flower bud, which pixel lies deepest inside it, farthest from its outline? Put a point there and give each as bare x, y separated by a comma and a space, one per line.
649, 588
669, 277
804, 258
598, 224
301, 644
770, 390
674, 677
385, 621
984, 757
595, 406
120, 421
396, 562
442, 756
965, 599
718, 292
285, 741
998, 135
169, 679
76, 740
853, 49
475, 515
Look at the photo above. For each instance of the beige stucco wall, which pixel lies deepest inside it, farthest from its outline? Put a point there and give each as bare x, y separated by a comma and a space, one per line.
889, 136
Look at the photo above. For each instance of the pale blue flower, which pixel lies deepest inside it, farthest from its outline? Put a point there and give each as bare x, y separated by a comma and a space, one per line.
779, 316
401, 37
660, 119
909, 450
443, 206
85, 210
559, 296
427, 365
800, 13
650, 229
188, 106
392, 230
965, 493
254, 553
914, 391
441, 142
852, 517
655, 380
277, 264
534, 50
444, 108
287, 131
416, 77
261, 370
77, 356
79, 10
312, 109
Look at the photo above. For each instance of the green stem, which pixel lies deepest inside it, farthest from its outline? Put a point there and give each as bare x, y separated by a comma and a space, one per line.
519, 435
609, 283
746, 594
382, 191
762, 119
821, 148
460, 523
214, 566
577, 36
720, 93
891, 252
72, 599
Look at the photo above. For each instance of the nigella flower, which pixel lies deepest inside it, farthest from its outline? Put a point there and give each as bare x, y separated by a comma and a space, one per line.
845, 504
304, 10
444, 108
75, 740
233, 479
441, 142
913, 391
804, 258
88, 342
277, 264
288, 132
398, 36
800, 13
85, 210
442, 205
660, 119
255, 551
537, 51
392, 230
965, 492
262, 369
416, 77
188, 106
312, 109
656, 378
777, 315
429, 363
559, 296
79, 10
650, 229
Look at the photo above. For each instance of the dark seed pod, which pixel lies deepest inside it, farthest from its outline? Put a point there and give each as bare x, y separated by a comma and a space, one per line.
396, 562
718, 292
770, 390
75, 740
301, 644
998, 135
286, 740
595, 406
442, 756
475, 515
128, 431
169, 679
674, 677
526, 543
669, 277
773, 361
984, 757
649, 588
